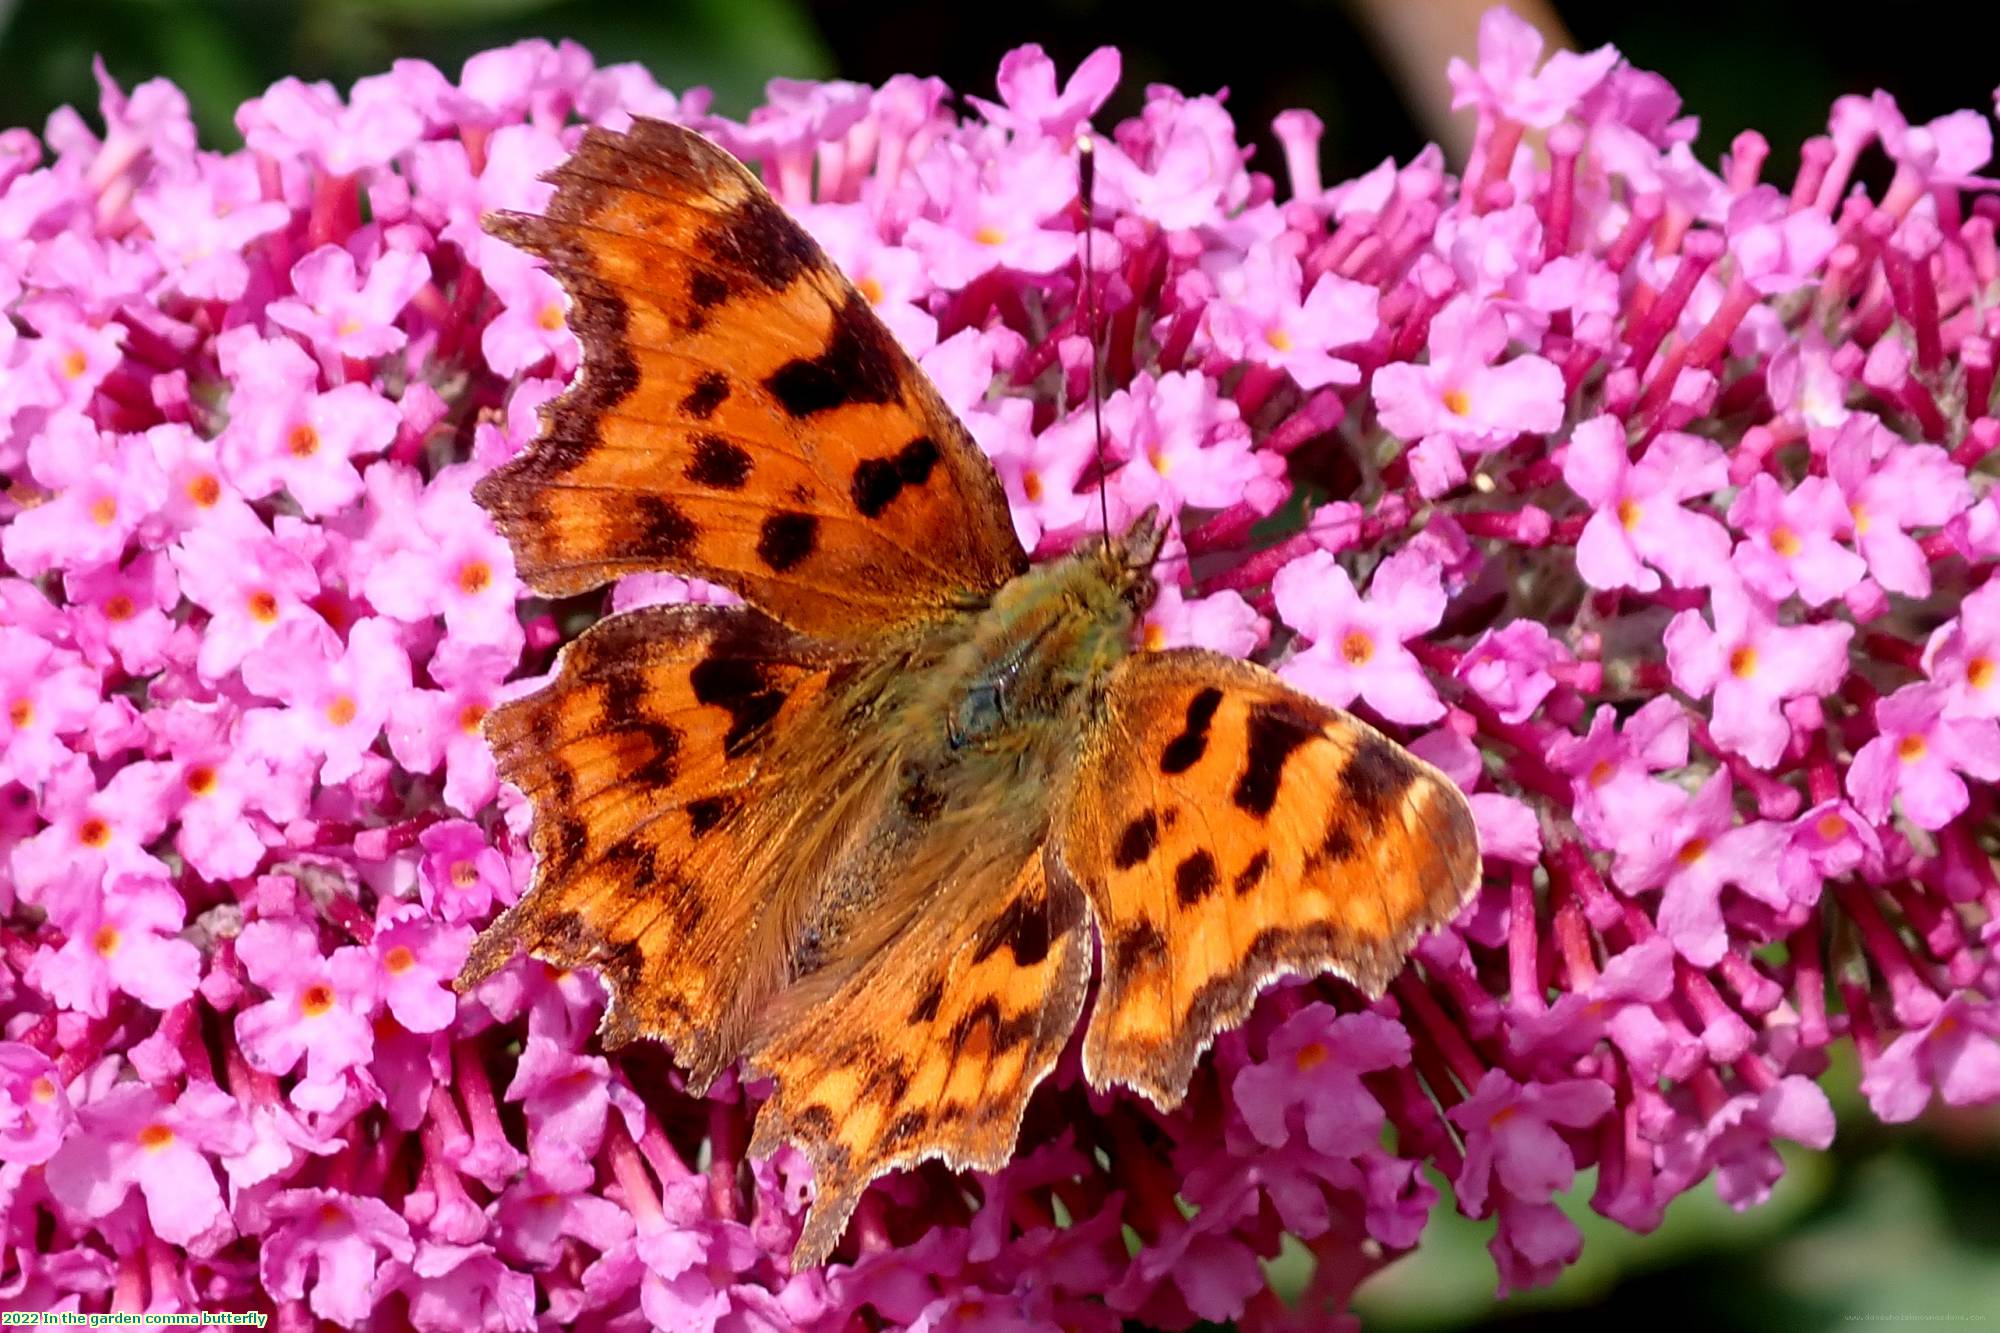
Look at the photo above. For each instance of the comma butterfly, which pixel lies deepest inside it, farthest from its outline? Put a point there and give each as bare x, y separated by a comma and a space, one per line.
858, 832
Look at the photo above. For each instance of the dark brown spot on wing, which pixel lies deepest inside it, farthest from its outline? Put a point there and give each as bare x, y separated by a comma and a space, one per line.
927, 1004
741, 688
710, 391
858, 365
1273, 732
1140, 946
1136, 843
1195, 877
1376, 775
760, 238
1252, 873
664, 529
878, 481
705, 813
786, 539
1185, 750
718, 464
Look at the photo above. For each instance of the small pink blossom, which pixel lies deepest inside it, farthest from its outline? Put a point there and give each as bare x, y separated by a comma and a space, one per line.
1356, 645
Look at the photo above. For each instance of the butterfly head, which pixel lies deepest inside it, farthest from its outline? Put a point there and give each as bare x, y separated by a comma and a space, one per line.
1129, 559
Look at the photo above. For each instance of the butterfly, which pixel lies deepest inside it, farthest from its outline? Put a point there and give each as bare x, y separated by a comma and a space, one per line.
870, 833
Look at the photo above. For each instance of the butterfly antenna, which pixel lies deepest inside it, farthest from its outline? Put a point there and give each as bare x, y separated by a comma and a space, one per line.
1086, 186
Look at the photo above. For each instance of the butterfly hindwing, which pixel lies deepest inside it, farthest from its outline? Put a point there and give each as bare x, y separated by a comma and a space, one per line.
1227, 829
742, 414
638, 759
933, 1048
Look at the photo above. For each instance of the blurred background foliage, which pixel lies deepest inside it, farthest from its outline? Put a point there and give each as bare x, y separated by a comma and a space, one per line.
1895, 1226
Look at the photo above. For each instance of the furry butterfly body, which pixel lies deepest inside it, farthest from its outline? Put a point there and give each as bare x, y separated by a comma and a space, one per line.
858, 833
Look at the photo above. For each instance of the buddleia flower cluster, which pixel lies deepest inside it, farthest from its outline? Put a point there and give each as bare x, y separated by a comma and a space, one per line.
1649, 496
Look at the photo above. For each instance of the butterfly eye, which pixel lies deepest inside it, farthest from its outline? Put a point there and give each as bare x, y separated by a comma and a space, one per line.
979, 714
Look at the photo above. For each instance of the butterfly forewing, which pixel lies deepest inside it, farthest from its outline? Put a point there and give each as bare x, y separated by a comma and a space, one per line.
1227, 829
742, 414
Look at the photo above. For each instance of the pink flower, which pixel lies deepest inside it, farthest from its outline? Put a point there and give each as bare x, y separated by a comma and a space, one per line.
1923, 757
1509, 668
1752, 665
1506, 83
1511, 1138
319, 1008
1185, 445
455, 565
418, 959
1692, 855
343, 314
339, 1239
462, 876
102, 490
130, 1137
35, 1115
1031, 102
248, 581
1890, 487
1734, 1141
45, 695
1356, 646
1611, 771
1789, 544
1957, 1053
1462, 399
123, 938
338, 698
1311, 1078
1266, 321
1963, 655
1639, 517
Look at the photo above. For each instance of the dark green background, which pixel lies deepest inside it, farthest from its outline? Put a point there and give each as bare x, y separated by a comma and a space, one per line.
1898, 1227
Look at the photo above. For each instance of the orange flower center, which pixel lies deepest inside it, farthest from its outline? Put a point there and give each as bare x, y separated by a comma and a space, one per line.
93, 832
1862, 520
871, 290
21, 712
398, 960
470, 717
340, 710
464, 874
989, 235
263, 606
1784, 541
551, 317
1031, 485
1279, 339
1912, 748
1357, 647
119, 607
1456, 402
200, 780
316, 999
1601, 771
1831, 827
43, 1089
204, 489
1155, 637
1311, 1056
104, 511
74, 363
474, 576
155, 1137
1629, 514
1979, 672
1743, 662
303, 442
331, 1215
1691, 851
105, 941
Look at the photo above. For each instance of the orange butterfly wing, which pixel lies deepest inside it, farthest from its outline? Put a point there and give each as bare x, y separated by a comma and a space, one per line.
933, 1048
1227, 830
742, 415
638, 761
